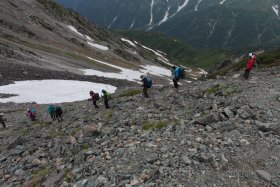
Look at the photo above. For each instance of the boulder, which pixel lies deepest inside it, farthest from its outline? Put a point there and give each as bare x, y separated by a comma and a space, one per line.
264, 175
266, 127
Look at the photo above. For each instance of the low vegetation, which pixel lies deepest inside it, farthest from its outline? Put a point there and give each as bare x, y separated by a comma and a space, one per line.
42, 172
153, 125
107, 115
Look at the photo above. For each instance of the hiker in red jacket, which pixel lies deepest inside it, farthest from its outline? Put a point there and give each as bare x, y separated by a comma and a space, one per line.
250, 65
94, 97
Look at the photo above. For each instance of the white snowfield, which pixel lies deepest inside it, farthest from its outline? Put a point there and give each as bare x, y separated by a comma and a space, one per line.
51, 91
128, 74
89, 39
128, 41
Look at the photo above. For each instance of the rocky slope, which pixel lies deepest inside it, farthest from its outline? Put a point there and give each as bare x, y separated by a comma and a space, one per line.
219, 132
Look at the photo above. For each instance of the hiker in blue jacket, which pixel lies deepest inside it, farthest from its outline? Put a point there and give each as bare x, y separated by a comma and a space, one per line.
51, 111
147, 83
176, 76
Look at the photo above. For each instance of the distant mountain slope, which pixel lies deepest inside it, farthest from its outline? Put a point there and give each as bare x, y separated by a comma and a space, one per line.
176, 50
202, 23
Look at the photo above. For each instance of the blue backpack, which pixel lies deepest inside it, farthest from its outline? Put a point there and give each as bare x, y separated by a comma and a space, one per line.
149, 82
182, 73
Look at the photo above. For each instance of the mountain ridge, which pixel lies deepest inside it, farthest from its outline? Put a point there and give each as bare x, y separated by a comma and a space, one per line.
238, 23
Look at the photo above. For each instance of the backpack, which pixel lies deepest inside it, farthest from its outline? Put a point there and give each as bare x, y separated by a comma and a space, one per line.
57, 108
97, 96
182, 73
149, 82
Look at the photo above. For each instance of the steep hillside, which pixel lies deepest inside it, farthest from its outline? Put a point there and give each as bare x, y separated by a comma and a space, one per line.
264, 60
220, 132
224, 24
43, 37
176, 50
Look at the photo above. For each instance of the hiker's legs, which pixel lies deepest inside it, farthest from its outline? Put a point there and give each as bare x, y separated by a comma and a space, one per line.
145, 91
94, 103
53, 116
59, 115
106, 103
246, 74
175, 83
3, 123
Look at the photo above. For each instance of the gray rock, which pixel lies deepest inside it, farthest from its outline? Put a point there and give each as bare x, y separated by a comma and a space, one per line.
17, 141
243, 114
264, 175
152, 158
228, 112
207, 119
81, 183
19, 172
274, 127
186, 160
204, 157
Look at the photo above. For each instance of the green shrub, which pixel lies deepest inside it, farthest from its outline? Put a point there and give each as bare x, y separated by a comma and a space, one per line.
85, 146
42, 172
154, 125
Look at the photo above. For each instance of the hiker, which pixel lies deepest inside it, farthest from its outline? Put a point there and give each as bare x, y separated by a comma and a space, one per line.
51, 111
31, 115
94, 97
2, 120
175, 73
106, 98
58, 113
147, 83
250, 65
178, 73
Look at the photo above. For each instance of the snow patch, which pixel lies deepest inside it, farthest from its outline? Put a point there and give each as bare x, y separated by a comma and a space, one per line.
183, 5
132, 24
276, 9
165, 18
128, 74
75, 30
101, 47
160, 56
196, 6
113, 21
202, 71
89, 38
51, 91
152, 17
222, 2
128, 41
